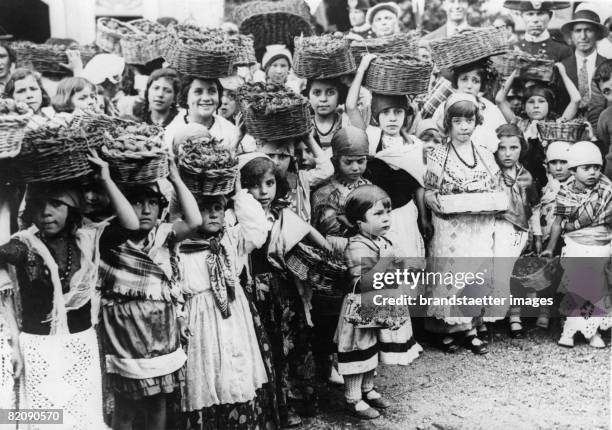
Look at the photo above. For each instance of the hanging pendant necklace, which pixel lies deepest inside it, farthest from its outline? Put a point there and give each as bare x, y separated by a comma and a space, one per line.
469, 166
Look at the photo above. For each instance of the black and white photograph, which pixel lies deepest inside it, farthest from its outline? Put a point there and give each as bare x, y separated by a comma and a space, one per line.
305, 214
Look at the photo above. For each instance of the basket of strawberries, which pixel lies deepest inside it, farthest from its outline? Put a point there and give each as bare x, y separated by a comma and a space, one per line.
207, 167
134, 153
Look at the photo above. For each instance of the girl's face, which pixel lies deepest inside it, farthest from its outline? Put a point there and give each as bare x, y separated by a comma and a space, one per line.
282, 161
323, 97
161, 95
278, 71
377, 219
587, 175
147, 210
228, 108
96, 200
508, 151
391, 120
430, 143
606, 89
28, 91
5, 63
356, 17
536, 107
384, 23
558, 169
213, 218
202, 98
462, 129
265, 191
50, 217
352, 167
304, 156
469, 83
85, 100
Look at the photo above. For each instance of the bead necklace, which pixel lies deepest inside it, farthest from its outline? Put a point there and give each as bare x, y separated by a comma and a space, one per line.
469, 166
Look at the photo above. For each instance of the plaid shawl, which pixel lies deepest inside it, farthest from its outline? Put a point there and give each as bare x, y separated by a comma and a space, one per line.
588, 209
146, 273
219, 269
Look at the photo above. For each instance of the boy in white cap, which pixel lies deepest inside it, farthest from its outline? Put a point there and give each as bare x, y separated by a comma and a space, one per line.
583, 213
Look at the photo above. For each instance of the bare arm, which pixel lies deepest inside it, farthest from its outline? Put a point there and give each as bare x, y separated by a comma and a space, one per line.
317, 238
191, 213
352, 98
125, 213
572, 107
501, 98
555, 234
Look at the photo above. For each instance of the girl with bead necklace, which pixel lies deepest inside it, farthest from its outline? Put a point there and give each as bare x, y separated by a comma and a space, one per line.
56, 260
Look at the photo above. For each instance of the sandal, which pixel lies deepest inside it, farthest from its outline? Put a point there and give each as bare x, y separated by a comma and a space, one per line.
516, 330
361, 410
449, 347
378, 403
479, 349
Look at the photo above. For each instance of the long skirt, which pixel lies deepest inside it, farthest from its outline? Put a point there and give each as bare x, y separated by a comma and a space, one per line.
466, 237
586, 302
282, 312
361, 349
63, 372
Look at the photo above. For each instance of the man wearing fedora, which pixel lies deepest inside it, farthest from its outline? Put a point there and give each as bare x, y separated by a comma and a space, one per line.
456, 19
537, 15
585, 30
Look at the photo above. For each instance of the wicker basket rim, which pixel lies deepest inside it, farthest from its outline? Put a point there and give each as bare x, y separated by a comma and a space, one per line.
131, 155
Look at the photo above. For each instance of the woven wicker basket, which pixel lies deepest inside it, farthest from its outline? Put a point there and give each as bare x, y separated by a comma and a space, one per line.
245, 51
468, 46
108, 39
213, 182
137, 168
12, 130
538, 68
320, 57
534, 273
395, 74
195, 59
286, 123
47, 58
319, 269
53, 159
148, 47
404, 43
570, 131
272, 22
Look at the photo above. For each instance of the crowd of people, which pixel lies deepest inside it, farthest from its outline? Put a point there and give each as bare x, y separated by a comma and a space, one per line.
146, 305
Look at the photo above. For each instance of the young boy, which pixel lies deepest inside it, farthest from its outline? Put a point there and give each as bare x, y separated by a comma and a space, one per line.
583, 213
603, 79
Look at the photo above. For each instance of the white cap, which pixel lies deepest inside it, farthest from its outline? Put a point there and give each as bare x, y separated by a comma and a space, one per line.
584, 153
245, 158
557, 151
102, 67
274, 52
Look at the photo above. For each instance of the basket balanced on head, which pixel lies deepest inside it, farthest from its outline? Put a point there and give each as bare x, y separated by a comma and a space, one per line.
319, 57
48, 59
274, 112
210, 57
395, 74
109, 33
134, 153
569, 131
403, 43
51, 154
273, 22
207, 167
148, 46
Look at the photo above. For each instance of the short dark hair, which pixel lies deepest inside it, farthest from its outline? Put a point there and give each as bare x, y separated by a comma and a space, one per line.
603, 72
484, 68
335, 82
362, 199
186, 85
463, 109
169, 74
253, 171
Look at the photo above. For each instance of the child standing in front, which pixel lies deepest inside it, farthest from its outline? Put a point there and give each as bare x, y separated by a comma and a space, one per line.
368, 209
583, 214
140, 300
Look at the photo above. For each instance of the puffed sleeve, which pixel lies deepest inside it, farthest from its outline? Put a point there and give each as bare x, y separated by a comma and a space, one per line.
251, 230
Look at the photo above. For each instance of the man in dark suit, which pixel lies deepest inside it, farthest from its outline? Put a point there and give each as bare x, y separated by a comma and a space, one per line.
585, 30
537, 41
456, 19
